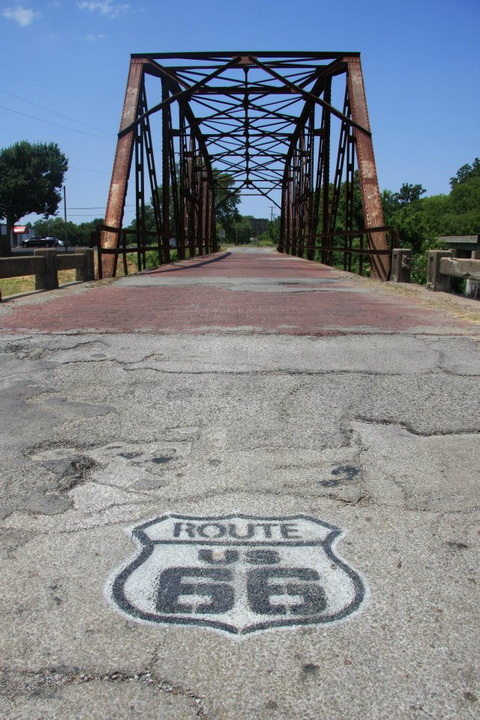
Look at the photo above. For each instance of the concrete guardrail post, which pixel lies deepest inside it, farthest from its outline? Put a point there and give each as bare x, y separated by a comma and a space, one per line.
49, 279
87, 272
472, 289
401, 265
435, 280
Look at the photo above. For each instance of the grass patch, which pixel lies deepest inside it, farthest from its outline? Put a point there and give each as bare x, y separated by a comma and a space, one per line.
17, 285
26, 283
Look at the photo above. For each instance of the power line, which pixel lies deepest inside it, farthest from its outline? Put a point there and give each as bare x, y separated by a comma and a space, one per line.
100, 207
103, 172
54, 112
82, 132
95, 207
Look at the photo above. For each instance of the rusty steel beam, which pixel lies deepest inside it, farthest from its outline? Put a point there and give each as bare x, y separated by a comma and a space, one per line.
371, 200
122, 163
290, 54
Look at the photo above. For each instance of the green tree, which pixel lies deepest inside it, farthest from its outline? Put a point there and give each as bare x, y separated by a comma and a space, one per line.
466, 173
409, 193
404, 211
227, 200
243, 229
31, 178
357, 218
271, 236
393, 201
421, 222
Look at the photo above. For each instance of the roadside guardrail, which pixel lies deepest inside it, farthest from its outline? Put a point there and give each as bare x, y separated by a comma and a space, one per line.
443, 266
46, 264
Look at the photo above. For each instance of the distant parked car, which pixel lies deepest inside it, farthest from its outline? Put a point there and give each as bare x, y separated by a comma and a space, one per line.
32, 242
56, 242
46, 242
38, 242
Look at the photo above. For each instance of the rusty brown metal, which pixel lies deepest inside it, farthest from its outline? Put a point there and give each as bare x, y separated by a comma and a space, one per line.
122, 163
371, 200
270, 121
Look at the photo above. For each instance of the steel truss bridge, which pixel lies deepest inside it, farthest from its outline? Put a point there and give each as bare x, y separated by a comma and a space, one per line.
290, 126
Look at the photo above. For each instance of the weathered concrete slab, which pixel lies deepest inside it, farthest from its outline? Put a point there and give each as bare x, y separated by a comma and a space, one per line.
376, 434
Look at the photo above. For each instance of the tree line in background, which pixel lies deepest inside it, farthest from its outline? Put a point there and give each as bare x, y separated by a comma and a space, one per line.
32, 175
421, 221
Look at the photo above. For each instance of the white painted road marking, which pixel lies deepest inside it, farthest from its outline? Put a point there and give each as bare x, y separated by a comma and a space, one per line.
237, 573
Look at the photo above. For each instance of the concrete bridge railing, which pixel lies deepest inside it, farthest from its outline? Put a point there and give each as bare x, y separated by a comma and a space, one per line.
46, 264
443, 266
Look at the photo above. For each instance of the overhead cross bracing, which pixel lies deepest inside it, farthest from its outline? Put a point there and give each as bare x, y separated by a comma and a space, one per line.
291, 127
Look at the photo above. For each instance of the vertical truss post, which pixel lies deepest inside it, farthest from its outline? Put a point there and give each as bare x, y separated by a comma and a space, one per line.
197, 203
190, 213
281, 239
208, 246
312, 222
295, 203
213, 225
152, 172
122, 164
283, 245
201, 212
182, 185
371, 200
165, 174
349, 198
327, 124
339, 174
140, 195
302, 195
321, 203
289, 210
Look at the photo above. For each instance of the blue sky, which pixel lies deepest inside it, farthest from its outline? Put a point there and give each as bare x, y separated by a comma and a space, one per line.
65, 66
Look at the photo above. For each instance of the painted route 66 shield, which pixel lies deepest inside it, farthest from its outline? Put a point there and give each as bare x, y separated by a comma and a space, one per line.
237, 573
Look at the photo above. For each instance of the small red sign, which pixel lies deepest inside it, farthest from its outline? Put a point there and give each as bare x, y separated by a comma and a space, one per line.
20, 229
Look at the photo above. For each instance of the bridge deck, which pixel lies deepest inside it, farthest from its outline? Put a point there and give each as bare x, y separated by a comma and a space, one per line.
270, 405
244, 290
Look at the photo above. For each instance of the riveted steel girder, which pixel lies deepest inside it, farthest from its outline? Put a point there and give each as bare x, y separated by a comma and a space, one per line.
268, 120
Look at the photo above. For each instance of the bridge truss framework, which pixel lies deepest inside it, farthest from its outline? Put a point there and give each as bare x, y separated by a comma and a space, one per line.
290, 126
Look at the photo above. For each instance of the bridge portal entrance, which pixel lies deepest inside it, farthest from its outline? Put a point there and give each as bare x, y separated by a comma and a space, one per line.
292, 127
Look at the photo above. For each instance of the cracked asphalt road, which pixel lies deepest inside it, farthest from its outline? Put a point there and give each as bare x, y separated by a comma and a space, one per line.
255, 385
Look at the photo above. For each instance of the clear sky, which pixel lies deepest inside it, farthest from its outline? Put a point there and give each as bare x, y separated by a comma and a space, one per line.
65, 63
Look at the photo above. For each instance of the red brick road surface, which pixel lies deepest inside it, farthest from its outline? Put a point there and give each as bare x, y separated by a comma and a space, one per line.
244, 290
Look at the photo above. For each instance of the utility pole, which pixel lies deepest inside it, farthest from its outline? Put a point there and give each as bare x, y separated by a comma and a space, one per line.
65, 216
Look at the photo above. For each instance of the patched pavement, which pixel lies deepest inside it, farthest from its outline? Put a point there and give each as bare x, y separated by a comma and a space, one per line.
242, 487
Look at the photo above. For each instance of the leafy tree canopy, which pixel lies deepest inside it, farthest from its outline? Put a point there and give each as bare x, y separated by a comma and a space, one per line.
227, 200
31, 178
420, 222
407, 194
466, 173
243, 229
